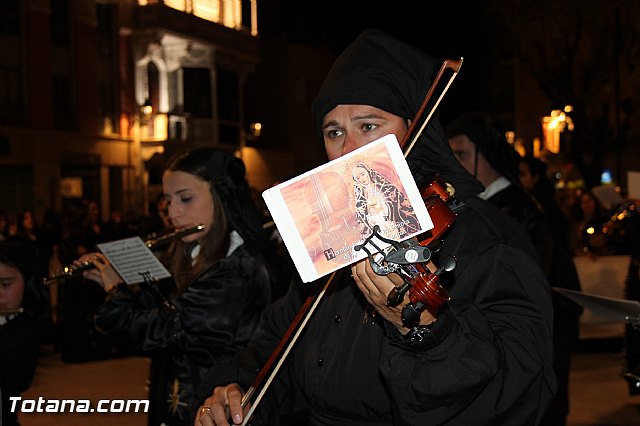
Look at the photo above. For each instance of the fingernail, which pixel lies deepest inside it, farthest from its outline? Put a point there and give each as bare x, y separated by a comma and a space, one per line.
237, 418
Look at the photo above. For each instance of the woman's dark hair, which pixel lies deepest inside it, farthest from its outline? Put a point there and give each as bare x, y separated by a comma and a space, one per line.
234, 209
35, 301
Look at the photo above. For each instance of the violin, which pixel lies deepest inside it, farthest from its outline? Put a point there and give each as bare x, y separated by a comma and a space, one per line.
408, 259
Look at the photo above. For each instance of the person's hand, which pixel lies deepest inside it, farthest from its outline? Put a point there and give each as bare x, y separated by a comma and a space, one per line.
104, 274
376, 288
225, 402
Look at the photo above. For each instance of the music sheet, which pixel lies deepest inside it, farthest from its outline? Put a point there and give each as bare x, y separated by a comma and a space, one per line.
133, 260
608, 307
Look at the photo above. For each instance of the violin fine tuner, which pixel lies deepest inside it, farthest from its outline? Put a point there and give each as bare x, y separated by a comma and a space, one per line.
423, 286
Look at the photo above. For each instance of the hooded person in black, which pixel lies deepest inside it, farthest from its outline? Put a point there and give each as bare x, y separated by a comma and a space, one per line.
484, 359
482, 148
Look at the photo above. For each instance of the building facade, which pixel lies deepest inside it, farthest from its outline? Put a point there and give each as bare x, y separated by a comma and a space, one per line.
96, 94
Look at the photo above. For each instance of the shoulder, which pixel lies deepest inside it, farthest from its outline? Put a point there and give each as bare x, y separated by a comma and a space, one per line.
492, 251
241, 264
481, 225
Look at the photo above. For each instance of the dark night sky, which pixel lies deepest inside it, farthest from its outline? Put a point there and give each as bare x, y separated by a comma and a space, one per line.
445, 29
442, 28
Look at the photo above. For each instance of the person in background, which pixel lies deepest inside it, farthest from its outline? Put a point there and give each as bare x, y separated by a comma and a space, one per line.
533, 176
4, 225
485, 358
631, 370
586, 236
483, 150
29, 232
221, 283
22, 301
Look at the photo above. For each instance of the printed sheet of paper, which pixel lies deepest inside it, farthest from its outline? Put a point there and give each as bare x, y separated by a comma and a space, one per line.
607, 307
324, 213
133, 260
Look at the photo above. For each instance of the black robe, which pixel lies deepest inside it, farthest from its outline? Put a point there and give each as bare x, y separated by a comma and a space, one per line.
488, 360
19, 350
186, 335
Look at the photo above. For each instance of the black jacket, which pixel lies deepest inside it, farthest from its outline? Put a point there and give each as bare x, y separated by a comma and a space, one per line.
19, 350
186, 335
487, 361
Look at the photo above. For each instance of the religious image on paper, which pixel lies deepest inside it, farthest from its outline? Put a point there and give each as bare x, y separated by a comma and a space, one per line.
336, 206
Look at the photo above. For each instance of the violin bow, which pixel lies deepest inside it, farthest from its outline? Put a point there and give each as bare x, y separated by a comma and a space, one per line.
447, 64
298, 324
281, 352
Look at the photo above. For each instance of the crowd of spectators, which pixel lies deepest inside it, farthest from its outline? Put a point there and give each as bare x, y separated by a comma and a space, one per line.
56, 241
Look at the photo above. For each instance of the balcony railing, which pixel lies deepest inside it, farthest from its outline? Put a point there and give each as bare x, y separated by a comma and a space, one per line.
224, 12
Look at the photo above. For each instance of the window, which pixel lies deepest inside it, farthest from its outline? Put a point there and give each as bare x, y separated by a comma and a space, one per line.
11, 99
228, 107
106, 32
10, 17
63, 111
60, 22
197, 92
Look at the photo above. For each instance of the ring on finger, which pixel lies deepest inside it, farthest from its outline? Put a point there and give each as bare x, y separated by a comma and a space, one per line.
204, 409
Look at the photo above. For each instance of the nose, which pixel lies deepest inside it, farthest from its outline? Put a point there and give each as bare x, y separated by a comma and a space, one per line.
173, 211
350, 144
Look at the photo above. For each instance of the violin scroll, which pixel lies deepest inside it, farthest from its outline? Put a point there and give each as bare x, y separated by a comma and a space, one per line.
427, 293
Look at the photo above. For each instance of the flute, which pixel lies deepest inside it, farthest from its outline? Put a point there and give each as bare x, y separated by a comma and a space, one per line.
9, 311
153, 242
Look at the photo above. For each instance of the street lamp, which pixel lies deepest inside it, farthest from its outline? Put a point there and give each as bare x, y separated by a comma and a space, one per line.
553, 125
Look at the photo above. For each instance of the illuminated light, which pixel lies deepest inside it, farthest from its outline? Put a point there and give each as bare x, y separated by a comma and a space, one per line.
254, 17
255, 129
621, 216
511, 137
207, 9
605, 230
536, 147
146, 108
160, 127
177, 4
568, 108
125, 125
225, 12
553, 125
590, 230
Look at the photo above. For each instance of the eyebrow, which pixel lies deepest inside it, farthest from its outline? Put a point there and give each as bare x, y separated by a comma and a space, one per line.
354, 119
178, 192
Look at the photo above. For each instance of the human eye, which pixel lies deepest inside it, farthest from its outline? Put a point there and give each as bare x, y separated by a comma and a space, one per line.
332, 133
186, 199
369, 127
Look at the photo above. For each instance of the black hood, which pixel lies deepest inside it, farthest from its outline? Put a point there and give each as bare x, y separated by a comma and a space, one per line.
227, 174
489, 139
379, 70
